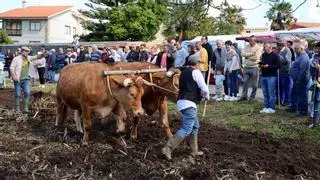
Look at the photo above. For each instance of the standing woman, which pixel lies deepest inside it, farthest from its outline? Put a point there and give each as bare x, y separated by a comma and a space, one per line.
41, 67
231, 69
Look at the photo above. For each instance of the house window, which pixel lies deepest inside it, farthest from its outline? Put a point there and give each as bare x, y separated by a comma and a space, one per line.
74, 31
35, 26
68, 29
13, 27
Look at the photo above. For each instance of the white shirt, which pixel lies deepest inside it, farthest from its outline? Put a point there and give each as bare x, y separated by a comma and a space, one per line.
204, 90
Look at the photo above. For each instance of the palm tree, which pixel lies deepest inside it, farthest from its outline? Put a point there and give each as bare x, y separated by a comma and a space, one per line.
281, 14
231, 20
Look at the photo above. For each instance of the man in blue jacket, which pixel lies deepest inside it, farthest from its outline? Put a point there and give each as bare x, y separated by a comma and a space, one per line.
300, 73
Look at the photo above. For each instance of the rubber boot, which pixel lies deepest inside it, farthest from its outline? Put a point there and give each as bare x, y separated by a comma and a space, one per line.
193, 142
26, 105
17, 105
172, 144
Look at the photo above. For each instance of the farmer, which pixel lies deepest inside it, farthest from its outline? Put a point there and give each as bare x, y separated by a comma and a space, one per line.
192, 88
20, 74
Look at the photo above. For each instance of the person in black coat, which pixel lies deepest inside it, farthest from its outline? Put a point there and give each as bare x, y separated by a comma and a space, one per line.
133, 54
164, 58
143, 54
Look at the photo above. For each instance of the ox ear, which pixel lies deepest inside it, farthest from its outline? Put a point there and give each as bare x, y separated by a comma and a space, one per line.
123, 81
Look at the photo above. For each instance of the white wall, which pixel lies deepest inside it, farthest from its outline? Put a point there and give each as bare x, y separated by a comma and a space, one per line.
57, 30
28, 35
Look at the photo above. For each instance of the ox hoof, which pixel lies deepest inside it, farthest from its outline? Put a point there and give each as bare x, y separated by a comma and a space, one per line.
133, 138
80, 130
121, 130
85, 143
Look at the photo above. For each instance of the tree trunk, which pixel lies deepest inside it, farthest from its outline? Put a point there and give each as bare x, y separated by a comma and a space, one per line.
181, 36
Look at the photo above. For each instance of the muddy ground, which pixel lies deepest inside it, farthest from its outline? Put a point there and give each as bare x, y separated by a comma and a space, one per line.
33, 148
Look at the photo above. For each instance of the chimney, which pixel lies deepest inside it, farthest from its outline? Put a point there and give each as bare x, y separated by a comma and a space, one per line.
24, 3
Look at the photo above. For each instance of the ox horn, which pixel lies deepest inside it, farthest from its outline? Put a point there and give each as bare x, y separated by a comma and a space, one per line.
169, 73
127, 82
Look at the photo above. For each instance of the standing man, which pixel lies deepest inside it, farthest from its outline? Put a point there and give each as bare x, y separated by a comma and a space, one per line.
20, 75
208, 47
133, 54
252, 54
293, 55
270, 63
181, 55
120, 52
143, 54
284, 75
52, 66
192, 88
219, 59
203, 59
82, 55
300, 73
95, 54
315, 63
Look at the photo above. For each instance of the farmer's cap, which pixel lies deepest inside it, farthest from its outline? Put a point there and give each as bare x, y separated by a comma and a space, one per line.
193, 60
25, 48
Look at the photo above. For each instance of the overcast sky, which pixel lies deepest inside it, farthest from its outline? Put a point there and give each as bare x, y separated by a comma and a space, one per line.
255, 18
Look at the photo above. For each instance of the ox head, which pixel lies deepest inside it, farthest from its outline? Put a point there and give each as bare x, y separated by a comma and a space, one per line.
130, 93
168, 80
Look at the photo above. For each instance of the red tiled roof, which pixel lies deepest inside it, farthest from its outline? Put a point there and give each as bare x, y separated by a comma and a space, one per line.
34, 12
297, 25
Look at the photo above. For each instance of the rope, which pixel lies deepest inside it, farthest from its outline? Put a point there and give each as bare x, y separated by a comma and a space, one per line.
159, 87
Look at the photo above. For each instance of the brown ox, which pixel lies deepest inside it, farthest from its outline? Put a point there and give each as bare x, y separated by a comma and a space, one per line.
154, 98
83, 87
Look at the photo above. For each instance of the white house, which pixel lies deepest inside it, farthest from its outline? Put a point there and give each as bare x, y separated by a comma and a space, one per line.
43, 24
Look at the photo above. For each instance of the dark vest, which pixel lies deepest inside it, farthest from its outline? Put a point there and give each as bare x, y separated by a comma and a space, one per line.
188, 88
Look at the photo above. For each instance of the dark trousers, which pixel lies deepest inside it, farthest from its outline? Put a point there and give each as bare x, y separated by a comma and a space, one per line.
299, 97
285, 88
42, 71
232, 83
225, 84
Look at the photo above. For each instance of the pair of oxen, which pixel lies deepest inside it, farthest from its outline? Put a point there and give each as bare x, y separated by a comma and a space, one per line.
84, 88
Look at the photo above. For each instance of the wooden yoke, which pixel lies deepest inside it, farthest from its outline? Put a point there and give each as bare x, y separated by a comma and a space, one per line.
142, 71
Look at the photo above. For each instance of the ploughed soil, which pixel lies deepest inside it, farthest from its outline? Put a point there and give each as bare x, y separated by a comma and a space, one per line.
31, 147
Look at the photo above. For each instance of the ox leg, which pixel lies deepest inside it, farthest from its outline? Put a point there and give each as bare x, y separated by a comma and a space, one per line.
163, 111
62, 111
134, 130
87, 124
77, 119
121, 117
